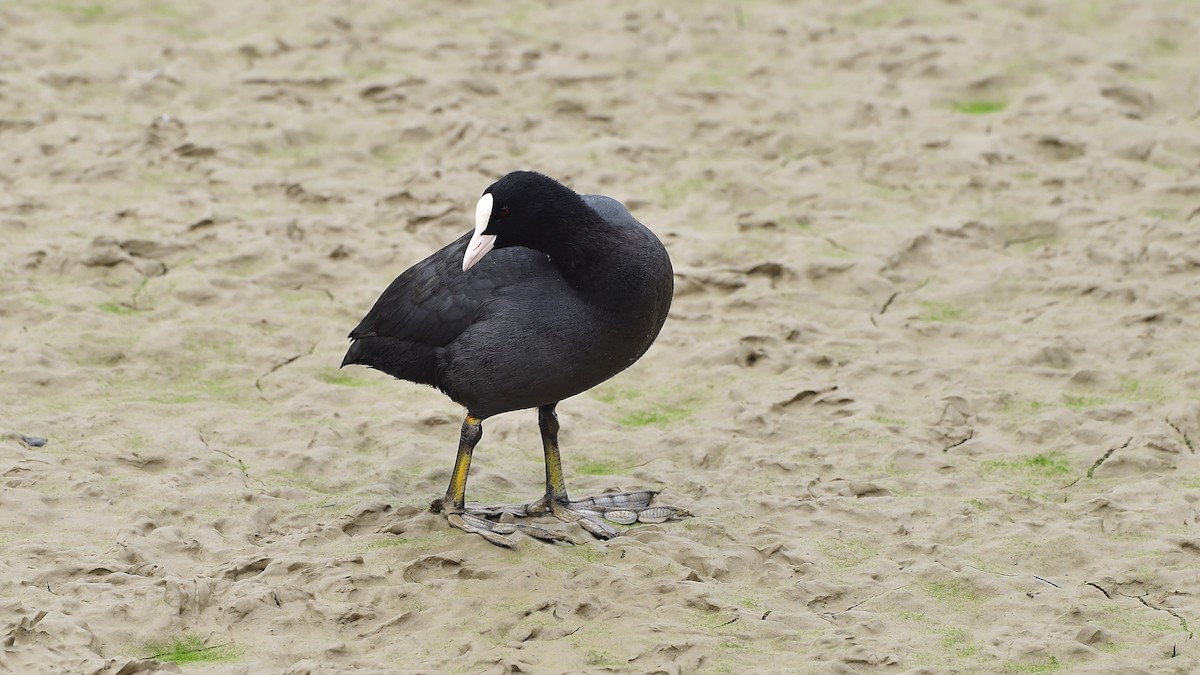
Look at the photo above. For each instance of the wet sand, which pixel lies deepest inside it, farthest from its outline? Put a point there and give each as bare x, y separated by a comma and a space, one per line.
930, 382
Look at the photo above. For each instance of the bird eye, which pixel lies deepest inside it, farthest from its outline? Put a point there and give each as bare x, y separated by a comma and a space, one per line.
504, 210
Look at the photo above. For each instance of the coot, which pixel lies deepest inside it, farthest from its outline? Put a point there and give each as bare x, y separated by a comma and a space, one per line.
552, 294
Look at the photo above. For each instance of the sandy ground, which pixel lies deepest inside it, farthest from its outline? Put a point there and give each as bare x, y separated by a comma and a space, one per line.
930, 382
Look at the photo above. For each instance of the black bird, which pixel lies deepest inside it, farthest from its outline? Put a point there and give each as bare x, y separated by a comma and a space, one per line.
552, 294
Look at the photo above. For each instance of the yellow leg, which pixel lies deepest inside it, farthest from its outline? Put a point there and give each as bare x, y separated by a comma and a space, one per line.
456, 493
556, 487
591, 513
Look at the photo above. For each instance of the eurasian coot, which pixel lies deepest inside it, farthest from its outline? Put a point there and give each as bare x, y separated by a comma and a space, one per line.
552, 294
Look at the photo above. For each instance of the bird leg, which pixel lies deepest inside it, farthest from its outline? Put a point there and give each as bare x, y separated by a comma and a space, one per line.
591, 512
454, 503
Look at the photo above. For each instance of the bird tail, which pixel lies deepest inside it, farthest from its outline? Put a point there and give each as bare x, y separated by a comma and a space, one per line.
406, 360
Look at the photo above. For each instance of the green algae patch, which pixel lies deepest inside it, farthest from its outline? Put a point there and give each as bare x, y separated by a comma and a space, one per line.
1045, 465
117, 308
848, 553
978, 106
192, 648
940, 312
660, 415
956, 594
601, 467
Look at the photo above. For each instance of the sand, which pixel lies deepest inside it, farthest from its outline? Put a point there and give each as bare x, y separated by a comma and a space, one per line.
930, 382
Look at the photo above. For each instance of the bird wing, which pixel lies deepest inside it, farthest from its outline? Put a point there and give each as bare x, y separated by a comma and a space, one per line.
434, 301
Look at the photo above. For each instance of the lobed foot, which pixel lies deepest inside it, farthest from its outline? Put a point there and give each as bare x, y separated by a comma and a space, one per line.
591, 513
494, 531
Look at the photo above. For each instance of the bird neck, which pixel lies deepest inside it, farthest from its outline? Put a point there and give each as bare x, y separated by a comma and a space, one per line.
589, 255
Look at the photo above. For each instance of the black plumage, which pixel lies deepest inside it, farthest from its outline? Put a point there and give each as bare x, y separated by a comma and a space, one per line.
573, 291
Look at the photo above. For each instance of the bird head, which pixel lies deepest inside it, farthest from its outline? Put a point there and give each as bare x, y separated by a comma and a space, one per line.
517, 210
